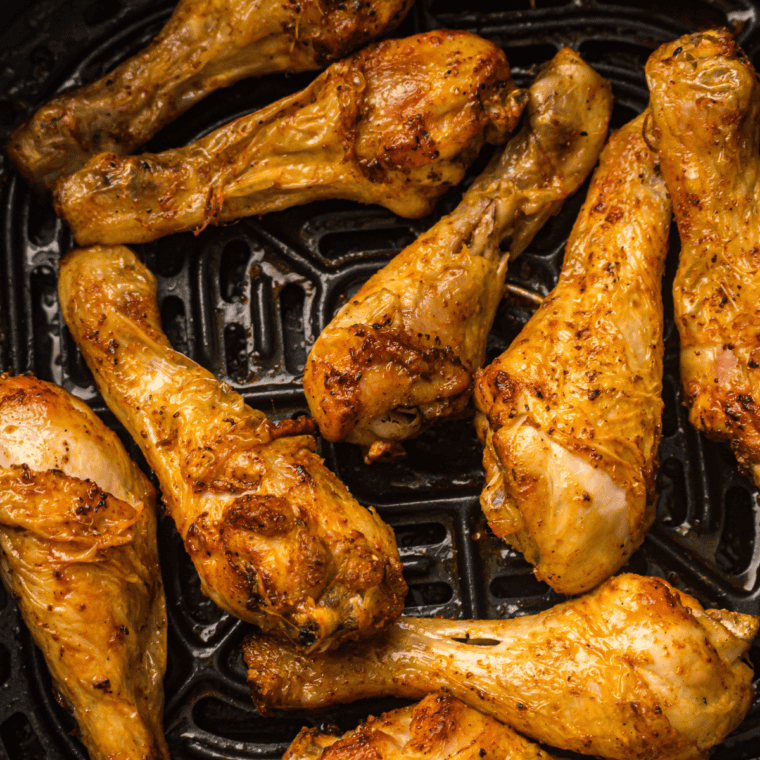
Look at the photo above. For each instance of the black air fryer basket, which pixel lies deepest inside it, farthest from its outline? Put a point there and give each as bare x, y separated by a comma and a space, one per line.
247, 301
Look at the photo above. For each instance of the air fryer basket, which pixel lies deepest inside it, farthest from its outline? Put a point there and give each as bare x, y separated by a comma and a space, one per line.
248, 300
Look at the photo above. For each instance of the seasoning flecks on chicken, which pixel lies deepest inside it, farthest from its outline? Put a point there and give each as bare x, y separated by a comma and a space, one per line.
706, 129
570, 414
401, 353
395, 124
275, 536
437, 728
78, 552
635, 669
205, 45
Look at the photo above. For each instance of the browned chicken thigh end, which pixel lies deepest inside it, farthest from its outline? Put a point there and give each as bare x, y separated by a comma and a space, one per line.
205, 45
401, 353
395, 124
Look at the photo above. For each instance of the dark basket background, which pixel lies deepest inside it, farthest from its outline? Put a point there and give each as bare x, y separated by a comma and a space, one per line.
247, 301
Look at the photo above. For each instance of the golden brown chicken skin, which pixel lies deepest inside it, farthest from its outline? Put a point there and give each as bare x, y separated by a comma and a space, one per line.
437, 728
570, 414
205, 45
400, 355
395, 124
634, 670
706, 128
276, 538
78, 553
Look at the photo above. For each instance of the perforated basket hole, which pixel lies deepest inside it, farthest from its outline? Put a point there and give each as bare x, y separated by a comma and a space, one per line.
233, 274
241, 723
420, 534
735, 549
336, 245
615, 52
529, 56
428, 594
517, 586
42, 224
263, 316
5, 664
671, 487
19, 739
44, 298
236, 354
174, 323
292, 299
670, 408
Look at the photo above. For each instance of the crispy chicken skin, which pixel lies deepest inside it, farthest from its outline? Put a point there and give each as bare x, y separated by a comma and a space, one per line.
205, 45
706, 127
395, 124
570, 414
635, 669
400, 355
437, 728
275, 536
78, 553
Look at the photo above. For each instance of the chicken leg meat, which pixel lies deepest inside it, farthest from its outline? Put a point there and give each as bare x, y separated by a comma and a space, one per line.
79, 555
275, 536
706, 129
395, 124
570, 414
437, 728
401, 354
205, 45
634, 670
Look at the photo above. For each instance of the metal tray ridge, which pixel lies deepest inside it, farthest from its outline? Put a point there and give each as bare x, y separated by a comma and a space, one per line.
248, 300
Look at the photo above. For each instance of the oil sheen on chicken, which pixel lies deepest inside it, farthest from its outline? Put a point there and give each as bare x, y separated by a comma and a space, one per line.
205, 45
437, 728
570, 414
78, 553
400, 354
635, 670
275, 536
706, 129
395, 124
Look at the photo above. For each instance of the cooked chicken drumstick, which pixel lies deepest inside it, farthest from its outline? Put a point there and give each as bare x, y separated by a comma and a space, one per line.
706, 115
395, 124
400, 355
78, 541
437, 728
205, 45
570, 414
635, 669
275, 536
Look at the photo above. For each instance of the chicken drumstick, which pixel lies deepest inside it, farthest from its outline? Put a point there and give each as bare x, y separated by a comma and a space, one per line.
706, 129
570, 414
400, 354
205, 45
635, 669
275, 536
78, 552
395, 124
